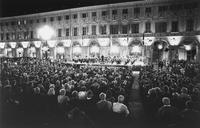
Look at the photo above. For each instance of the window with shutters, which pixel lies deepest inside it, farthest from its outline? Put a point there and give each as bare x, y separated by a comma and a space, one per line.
75, 31
125, 11
94, 14
51, 19
59, 32
31, 34
136, 12
38, 21
67, 17
67, 32
75, 16
190, 25
124, 29
84, 15
135, 28
162, 10
2, 36
44, 20
94, 29
148, 27
59, 18
104, 13
114, 29
161, 27
84, 31
148, 11
174, 26
102, 30
7, 36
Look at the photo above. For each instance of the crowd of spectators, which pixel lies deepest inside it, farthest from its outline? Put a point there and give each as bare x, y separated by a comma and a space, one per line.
88, 95
55, 90
172, 96
129, 60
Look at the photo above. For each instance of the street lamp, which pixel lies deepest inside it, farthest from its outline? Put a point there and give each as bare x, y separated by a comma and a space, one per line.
45, 33
188, 47
160, 46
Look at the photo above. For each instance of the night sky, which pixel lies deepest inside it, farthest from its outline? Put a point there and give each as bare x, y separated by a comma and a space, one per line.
21, 7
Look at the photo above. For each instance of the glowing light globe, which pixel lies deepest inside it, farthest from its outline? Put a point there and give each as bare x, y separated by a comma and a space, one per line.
45, 32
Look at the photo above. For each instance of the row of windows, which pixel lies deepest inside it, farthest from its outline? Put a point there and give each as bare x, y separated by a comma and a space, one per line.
137, 11
160, 27
132, 28
17, 35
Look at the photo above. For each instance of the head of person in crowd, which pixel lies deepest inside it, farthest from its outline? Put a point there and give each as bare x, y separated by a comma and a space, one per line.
51, 91
102, 96
90, 94
189, 104
62, 92
166, 101
36, 90
184, 90
120, 98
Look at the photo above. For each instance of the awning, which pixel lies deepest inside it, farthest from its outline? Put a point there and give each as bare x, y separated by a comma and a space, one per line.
2, 45
12, 44
60, 44
25, 44
134, 42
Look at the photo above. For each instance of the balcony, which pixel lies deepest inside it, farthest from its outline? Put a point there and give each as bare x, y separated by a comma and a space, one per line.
114, 17
104, 17
136, 16
148, 15
124, 17
94, 19
162, 14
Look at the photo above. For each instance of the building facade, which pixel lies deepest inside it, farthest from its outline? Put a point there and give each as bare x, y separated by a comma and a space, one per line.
150, 30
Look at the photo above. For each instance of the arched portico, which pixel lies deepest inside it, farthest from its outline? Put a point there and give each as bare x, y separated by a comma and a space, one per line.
60, 50
160, 51
189, 49
76, 49
94, 48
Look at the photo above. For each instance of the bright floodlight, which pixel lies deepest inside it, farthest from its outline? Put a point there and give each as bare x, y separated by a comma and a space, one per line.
45, 32
188, 47
160, 46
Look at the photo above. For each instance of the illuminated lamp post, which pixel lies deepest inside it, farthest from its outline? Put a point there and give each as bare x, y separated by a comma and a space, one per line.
160, 46
45, 33
188, 48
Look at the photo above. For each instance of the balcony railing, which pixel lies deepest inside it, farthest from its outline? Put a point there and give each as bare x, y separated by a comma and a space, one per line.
114, 17
94, 19
124, 17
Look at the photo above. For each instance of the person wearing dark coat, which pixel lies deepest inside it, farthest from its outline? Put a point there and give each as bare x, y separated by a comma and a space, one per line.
167, 114
189, 116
